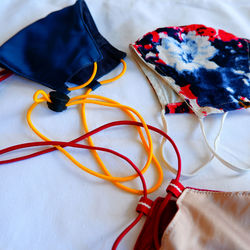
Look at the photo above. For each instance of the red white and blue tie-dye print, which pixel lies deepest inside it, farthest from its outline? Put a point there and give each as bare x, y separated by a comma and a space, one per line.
208, 68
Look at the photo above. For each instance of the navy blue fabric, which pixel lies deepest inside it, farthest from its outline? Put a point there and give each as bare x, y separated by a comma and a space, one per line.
111, 55
60, 48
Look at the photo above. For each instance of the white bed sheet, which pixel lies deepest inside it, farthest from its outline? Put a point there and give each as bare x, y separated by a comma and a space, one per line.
47, 203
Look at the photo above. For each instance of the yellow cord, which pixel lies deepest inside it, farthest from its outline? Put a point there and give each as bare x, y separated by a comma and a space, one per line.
103, 167
95, 153
111, 178
118, 76
88, 82
101, 82
83, 99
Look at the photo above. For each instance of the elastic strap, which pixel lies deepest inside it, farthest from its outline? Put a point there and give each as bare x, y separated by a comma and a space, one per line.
195, 172
88, 82
223, 161
118, 76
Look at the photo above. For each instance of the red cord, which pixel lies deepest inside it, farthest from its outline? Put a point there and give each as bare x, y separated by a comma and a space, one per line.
122, 235
5, 74
71, 144
4, 71
95, 131
74, 144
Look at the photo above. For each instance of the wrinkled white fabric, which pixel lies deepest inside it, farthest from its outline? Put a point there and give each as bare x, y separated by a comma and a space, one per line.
47, 203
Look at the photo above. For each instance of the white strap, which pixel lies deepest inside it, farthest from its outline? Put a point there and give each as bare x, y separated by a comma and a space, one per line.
226, 163
163, 143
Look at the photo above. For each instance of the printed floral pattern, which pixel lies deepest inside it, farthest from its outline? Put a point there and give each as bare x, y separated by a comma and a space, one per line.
191, 53
210, 67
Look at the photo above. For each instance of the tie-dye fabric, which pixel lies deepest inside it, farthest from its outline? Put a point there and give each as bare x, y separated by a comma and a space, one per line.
207, 68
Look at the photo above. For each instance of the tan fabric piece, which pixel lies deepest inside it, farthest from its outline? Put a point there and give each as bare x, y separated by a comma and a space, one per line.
209, 220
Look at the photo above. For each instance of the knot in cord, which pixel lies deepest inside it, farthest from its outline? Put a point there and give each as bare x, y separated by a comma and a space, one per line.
57, 101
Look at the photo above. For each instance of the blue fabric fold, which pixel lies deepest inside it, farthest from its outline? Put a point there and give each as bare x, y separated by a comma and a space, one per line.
60, 48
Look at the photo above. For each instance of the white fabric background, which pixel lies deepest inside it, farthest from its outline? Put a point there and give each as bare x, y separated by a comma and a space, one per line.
46, 203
